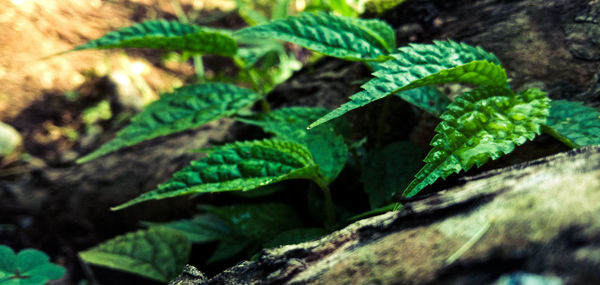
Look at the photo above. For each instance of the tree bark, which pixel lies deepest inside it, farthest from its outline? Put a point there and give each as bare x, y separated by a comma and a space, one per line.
542, 216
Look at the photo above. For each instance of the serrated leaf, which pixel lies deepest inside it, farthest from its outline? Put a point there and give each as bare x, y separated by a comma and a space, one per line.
158, 253
419, 65
325, 143
187, 107
28, 267
200, 229
390, 169
259, 222
238, 166
295, 236
479, 125
167, 35
337, 36
575, 121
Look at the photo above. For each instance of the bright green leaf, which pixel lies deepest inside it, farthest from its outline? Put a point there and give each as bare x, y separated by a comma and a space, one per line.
420, 65
28, 267
281, 9
337, 36
167, 35
575, 121
325, 143
390, 169
238, 166
483, 124
158, 253
188, 107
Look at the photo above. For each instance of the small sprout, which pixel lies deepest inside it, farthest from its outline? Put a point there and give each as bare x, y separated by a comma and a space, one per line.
29, 266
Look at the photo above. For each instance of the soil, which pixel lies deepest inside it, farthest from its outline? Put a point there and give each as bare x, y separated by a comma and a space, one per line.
45, 95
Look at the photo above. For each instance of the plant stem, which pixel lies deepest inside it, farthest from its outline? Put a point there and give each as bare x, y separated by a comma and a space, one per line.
551, 131
199, 67
385, 110
329, 223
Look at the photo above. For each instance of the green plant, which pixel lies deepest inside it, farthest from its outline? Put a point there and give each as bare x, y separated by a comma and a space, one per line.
485, 123
28, 267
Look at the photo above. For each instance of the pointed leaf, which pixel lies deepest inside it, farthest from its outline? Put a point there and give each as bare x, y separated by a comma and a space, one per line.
337, 36
575, 121
377, 211
325, 143
483, 124
188, 107
157, 253
167, 35
420, 65
389, 170
238, 166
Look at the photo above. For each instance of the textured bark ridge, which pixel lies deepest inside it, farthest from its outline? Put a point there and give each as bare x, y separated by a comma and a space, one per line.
541, 217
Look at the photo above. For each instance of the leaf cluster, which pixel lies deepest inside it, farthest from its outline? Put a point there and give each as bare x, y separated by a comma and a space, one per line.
313, 143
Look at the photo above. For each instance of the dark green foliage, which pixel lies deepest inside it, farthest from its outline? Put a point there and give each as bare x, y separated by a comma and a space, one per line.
420, 65
167, 35
326, 143
187, 107
28, 267
346, 38
578, 123
483, 124
389, 170
158, 253
238, 166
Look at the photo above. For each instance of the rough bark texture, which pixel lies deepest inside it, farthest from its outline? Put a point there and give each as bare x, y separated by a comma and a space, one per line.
541, 216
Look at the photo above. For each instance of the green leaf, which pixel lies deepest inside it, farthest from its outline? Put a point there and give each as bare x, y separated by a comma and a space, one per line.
325, 143
428, 98
420, 65
157, 253
29, 266
337, 36
238, 166
200, 229
188, 107
483, 124
259, 222
295, 236
167, 35
575, 121
390, 169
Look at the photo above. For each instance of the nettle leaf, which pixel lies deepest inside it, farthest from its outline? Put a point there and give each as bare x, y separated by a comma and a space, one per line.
325, 143
575, 121
337, 36
158, 253
187, 107
259, 222
237, 166
419, 65
479, 125
390, 169
28, 267
167, 35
